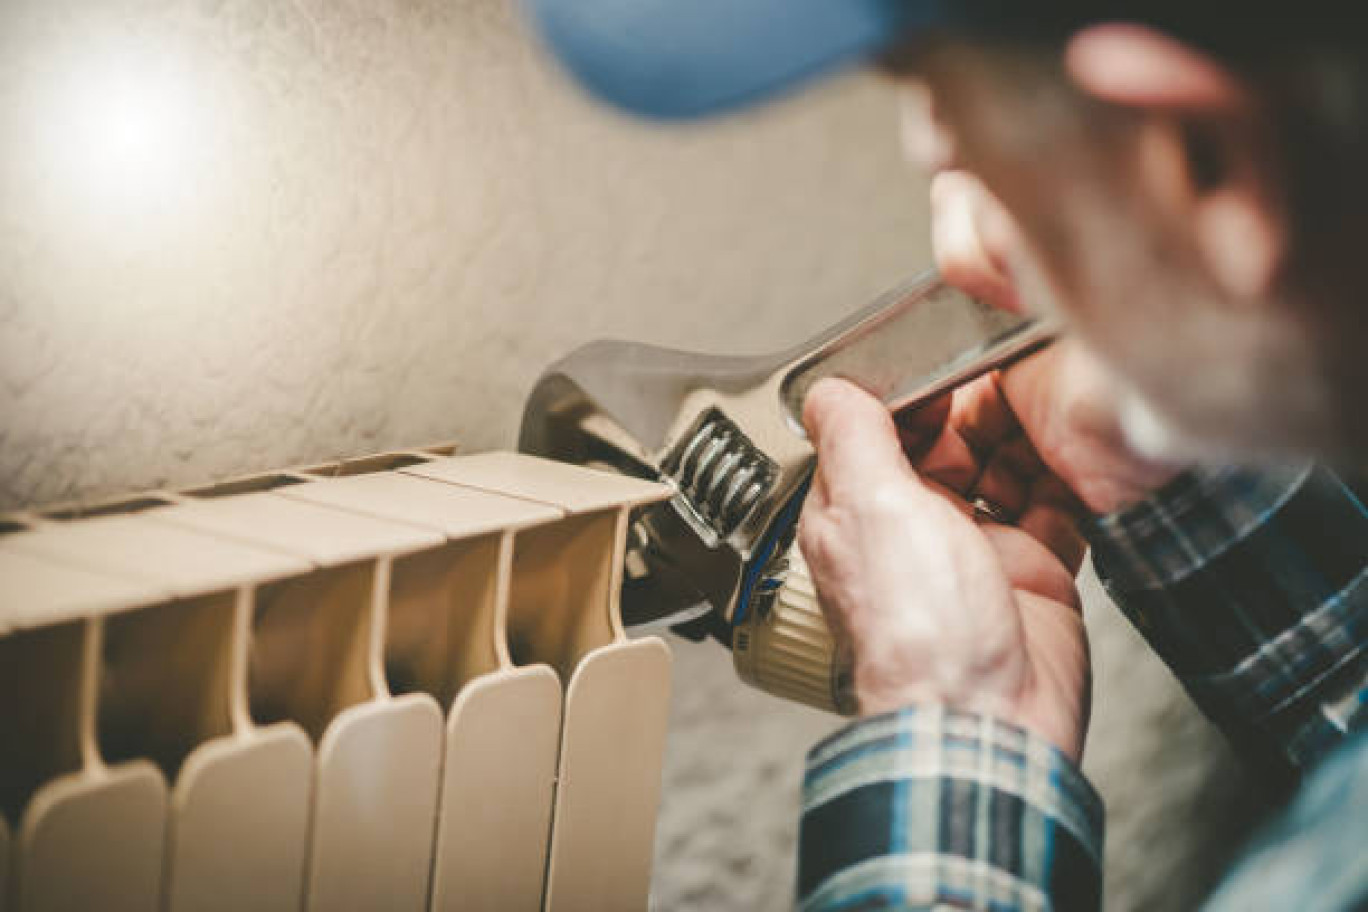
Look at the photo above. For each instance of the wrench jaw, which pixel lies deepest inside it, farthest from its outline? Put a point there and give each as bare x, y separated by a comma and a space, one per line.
563, 421
658, 414
671, 574
718, 546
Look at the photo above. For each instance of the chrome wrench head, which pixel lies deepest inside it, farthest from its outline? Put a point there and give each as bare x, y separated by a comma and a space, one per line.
726, 433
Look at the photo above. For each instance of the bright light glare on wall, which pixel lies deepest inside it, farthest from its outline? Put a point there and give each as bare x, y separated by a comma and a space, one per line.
123, 134
129, 128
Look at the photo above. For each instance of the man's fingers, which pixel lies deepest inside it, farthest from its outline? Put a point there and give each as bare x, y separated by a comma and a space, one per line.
1005, 490
951, 462
925, 142
1052, 515
1030, 568
965, 261
919, 428
856, 441
982, 415
979, 432
1010, 475
1056, 529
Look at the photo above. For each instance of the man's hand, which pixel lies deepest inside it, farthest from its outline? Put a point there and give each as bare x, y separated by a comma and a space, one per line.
1067, 405
1066, 401
934, 604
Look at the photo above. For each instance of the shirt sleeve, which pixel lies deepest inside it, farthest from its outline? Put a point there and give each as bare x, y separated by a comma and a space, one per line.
1253, 587
928, 808
1312, 855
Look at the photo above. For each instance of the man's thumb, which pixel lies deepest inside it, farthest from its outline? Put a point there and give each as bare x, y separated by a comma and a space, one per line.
853, 432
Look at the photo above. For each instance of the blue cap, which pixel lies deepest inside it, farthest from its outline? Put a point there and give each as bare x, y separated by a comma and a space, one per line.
675, 59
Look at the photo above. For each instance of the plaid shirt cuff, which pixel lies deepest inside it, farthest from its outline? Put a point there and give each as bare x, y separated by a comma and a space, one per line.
929, 808
1253, 587
1185, 526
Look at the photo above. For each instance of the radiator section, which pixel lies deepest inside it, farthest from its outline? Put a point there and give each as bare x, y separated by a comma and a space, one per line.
563, 611
397, 682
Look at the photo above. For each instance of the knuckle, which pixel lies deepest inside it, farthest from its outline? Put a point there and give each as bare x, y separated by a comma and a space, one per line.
888, 499
815, 542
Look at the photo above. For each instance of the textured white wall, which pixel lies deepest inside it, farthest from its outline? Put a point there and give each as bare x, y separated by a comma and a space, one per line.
365, 224
240, 234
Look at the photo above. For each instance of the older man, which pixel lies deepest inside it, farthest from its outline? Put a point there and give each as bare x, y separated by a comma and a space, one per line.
1183, 184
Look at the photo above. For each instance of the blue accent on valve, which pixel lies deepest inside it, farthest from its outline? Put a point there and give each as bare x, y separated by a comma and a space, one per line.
753, 579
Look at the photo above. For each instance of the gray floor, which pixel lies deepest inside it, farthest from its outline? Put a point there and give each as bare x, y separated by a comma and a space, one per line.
1178, 806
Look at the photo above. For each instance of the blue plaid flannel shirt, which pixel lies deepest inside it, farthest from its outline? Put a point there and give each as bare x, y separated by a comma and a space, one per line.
1253, 587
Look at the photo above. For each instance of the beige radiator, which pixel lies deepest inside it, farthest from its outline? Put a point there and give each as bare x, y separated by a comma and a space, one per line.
396, 683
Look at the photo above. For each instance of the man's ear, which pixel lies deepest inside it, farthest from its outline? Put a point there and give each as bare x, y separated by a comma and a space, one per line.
1205, 153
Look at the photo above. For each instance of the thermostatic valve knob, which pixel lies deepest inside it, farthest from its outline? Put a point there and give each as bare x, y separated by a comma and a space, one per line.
788, 650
